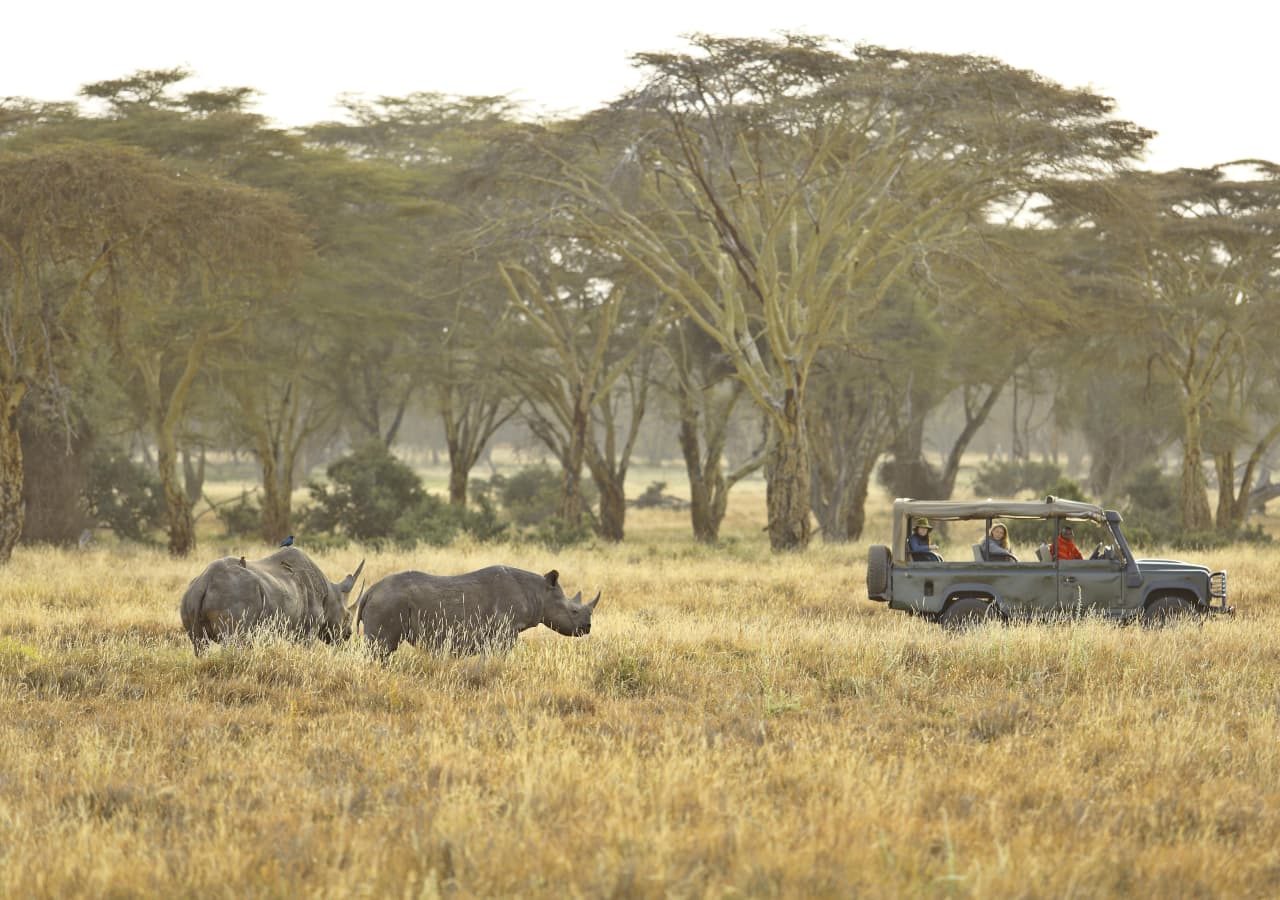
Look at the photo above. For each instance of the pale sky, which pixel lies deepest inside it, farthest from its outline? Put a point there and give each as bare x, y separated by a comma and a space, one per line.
1199, 74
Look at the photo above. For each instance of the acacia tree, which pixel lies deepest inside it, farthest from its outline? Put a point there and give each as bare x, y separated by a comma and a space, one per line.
226, 251
454, 298
66, 212
785, 185
328, 346
591, 338
326, 335
1247, 416
1187, 260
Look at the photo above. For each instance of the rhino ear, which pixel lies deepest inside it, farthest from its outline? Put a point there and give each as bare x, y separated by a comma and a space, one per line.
592, 604
553, 577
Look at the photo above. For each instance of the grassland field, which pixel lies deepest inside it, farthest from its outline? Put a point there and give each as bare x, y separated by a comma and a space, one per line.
737, 724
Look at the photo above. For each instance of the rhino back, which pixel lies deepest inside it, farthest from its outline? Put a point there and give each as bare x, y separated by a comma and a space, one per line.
296, 589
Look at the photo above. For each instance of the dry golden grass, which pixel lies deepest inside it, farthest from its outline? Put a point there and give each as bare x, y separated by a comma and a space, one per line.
736, 724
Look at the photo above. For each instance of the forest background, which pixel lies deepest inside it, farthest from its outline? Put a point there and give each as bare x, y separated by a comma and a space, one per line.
836, 269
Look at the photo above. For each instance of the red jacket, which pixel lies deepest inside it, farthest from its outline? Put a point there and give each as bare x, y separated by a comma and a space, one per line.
1067, 548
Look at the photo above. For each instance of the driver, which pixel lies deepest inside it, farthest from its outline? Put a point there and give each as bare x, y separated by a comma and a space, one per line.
1067, 548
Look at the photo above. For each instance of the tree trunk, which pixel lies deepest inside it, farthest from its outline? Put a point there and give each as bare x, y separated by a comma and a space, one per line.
277, 502
911, 475
829, 473
1226, 516
856, 509
571, 487
54, 462
702, 478
787, 478
706, 509
974, 419
193, 475
12, 509
1195, 493
458, 473
613, 509
1237, 499
181, 525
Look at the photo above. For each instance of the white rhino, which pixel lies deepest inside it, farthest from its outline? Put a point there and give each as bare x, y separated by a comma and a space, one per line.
285, 588
482, 610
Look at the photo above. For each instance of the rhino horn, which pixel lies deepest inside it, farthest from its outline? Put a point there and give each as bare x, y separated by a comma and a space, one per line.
351, 607
592, 604
350, 581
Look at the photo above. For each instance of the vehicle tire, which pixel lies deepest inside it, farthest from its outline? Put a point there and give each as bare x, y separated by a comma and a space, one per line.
879, 561
1166, 609
966, 612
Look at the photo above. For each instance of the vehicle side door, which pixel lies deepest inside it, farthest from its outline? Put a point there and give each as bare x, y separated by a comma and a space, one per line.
1090, 584
1025, 588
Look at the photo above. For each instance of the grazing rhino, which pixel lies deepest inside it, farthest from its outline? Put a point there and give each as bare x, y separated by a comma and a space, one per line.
286, 588
482, 610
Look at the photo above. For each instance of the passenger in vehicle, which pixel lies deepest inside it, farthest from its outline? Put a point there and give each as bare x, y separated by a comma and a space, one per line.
1066, 548
995, 547
918, 544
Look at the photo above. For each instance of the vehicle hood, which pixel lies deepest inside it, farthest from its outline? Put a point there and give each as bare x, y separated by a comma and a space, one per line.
1169, 565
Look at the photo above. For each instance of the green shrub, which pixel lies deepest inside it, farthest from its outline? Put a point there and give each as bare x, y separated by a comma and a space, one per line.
556, 533
369, 491
242, 518
123, 495
1067, 489
532, 495
1008, 478
433, 521
374, 497
482, 522
1152, 516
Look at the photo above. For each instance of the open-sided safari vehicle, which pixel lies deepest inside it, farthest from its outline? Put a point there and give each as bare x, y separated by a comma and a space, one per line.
959, 585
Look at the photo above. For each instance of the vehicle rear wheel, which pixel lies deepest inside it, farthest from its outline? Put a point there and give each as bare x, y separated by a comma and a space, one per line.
879, 561
1167, 609
966, 612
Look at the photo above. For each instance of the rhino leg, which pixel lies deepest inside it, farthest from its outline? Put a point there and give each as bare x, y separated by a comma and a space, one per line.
381, 645
193, 618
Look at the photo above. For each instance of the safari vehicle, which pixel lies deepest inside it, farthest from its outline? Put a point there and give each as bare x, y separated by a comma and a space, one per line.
962, 587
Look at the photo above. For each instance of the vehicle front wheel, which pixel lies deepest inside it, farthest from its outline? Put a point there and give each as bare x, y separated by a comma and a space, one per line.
1166, 610
966, 612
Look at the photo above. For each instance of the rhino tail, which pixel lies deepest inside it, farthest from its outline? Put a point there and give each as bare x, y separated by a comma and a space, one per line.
360, 601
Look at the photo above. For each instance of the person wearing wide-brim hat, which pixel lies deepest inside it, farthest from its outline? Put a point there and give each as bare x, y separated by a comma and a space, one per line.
918, 545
